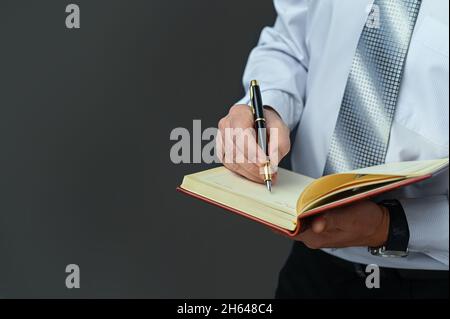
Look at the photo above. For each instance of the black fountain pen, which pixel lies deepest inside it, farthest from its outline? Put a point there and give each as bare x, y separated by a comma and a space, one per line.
260, 126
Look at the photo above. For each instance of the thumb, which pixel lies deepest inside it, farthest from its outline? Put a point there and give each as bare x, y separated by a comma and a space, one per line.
323, 223
319, 225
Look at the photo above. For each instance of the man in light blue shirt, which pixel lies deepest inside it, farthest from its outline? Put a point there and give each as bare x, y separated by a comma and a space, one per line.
311, 65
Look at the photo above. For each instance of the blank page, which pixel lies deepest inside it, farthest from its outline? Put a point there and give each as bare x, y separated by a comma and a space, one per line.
284, 195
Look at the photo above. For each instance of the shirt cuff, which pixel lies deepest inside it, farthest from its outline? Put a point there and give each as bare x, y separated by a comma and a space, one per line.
285, 105
428, 221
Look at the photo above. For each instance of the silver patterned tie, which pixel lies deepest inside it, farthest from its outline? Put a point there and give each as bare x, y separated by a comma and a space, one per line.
362, 132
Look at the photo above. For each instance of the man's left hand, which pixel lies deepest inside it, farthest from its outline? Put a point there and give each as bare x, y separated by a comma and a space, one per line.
361, 224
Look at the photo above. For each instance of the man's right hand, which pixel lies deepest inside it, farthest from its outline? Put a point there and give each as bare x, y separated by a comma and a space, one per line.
231, 150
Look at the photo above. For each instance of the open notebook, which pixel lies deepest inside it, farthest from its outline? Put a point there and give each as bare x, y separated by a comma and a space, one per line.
296, 197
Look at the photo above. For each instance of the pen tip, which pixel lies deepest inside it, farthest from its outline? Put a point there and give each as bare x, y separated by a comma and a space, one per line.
269, 186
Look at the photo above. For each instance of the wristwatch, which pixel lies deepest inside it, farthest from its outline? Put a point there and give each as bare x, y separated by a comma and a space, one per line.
398, 238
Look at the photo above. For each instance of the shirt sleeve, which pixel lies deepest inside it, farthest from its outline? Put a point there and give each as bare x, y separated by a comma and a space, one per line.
280, 61
428, 220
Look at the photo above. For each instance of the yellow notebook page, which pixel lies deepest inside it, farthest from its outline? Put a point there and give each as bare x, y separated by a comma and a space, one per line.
333, 184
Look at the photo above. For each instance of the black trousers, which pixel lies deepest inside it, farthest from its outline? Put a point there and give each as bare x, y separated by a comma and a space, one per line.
314, 274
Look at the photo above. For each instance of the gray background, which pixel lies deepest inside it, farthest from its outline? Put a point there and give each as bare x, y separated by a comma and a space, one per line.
85, 173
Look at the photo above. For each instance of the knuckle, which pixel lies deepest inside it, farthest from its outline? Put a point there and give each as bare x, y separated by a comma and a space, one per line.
240, 112
235, 109
223, 123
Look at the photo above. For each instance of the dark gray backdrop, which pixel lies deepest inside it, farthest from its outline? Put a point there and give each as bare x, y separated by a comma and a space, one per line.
85, 173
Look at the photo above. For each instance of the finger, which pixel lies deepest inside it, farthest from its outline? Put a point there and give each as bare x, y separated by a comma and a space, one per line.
220, 152
333, 220
246, 144
337, 219
240, 116
330, 239
238, 169
243, 169
249, 167
313, 240
228, 146
319, 225
220, 138
237, 161
241, 164
326, 222
238, 145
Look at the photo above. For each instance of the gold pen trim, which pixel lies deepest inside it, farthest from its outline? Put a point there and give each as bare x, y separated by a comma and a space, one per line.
267, 172
252, 96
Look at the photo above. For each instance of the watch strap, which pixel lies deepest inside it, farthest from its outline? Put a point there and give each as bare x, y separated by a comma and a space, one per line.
398, 237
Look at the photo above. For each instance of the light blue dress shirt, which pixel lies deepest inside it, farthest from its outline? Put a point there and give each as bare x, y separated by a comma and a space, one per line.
303, 63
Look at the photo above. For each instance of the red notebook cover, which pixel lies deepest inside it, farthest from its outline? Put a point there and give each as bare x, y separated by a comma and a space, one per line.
316, 211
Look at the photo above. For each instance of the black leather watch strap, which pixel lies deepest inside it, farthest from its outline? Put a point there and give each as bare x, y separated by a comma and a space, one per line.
398, 238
